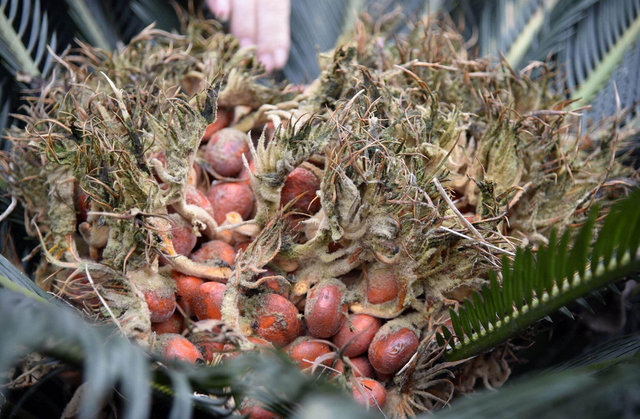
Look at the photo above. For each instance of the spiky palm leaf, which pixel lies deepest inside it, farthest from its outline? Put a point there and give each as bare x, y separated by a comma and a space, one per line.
532, 289
93, 23
511, 26
29, 57
590, 39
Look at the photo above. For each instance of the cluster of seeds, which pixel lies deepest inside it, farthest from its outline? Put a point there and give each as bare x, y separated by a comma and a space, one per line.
209, 215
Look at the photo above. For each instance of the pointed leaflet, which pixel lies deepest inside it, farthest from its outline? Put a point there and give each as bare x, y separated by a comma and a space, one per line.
473, 315
560, 268
447, 334
634, 240
499, 307
457, 325
578, 258
630, 232
480, 308
518, 279
529, 276
585, 304
540, 271
550, 261
507, 285
464, 320
490, 307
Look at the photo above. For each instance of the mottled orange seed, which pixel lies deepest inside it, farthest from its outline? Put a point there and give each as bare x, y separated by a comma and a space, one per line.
207, 302
324, 311
224, 151
177, 347
303, 351
276, 320
160, 306
172, 325
301, 182
375, 394
226, 197
214, 251
223, 119
210, 349
357, 332
193, 196
382, 286
391, 351
186, 289
363, 366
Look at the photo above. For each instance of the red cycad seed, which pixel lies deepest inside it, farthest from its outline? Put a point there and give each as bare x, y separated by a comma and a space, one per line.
325, 310
224, 151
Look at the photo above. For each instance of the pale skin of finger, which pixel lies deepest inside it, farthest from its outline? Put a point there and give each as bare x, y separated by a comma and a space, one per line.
220, 8
243, 21
264, 23
273, 35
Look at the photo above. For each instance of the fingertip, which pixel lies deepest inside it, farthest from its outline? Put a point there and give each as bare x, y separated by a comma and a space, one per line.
245, 42
220, 8
267, 62
280, 56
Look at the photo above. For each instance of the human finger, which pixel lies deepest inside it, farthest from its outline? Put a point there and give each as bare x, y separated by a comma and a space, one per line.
220, 8
243, 21
273, 32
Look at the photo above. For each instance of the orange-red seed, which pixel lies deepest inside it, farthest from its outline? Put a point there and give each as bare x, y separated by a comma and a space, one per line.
301, 183
226, 197
390, 351
324, 311
374, 393
357, 333
207, 302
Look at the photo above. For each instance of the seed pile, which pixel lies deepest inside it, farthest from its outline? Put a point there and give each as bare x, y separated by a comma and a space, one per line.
207, 211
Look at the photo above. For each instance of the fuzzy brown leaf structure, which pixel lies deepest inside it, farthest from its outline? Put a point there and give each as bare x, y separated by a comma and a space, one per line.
387, 188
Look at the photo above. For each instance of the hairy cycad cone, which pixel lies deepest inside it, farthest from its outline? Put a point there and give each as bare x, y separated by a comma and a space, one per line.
380, 192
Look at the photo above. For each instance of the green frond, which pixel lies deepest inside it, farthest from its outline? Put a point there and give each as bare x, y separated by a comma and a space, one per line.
11, 278
611, 352
602, 383
90, 19
149, 11
512, 26
533, 289
625, 35
20, 57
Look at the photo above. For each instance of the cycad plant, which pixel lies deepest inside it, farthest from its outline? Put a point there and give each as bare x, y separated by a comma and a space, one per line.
452, 201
